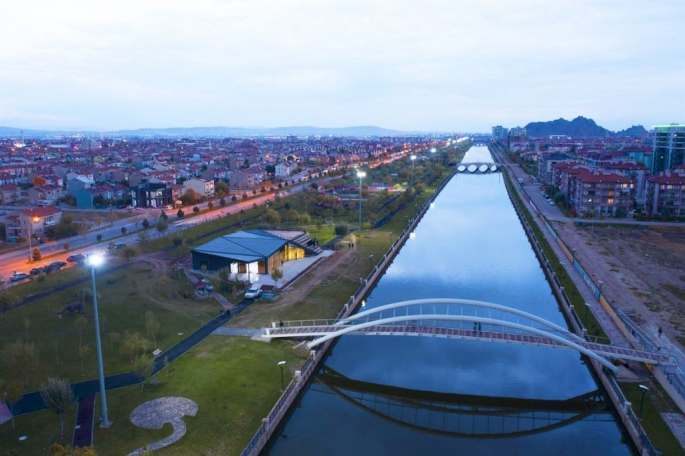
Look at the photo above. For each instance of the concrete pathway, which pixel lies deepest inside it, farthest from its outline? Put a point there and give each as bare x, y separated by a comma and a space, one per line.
5, 414
155, 413
244, 332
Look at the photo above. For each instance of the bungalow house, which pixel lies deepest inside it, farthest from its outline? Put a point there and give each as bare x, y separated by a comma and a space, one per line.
253, 251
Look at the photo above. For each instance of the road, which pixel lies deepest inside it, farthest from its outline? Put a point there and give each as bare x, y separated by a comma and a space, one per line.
18, 260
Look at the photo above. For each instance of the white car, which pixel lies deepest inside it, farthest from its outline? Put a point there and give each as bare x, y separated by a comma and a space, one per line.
254, 292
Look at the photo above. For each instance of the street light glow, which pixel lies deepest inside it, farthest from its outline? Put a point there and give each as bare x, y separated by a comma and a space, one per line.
95, 260
361, 174
280, 363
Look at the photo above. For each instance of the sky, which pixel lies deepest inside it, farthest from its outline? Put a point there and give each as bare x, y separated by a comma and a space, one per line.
411, 65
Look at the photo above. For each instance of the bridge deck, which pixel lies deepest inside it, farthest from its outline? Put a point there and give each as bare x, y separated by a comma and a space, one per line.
609, 351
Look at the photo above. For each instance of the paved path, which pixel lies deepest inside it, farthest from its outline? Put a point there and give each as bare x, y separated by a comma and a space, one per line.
5, 414
155, 413
244, 332
83, 431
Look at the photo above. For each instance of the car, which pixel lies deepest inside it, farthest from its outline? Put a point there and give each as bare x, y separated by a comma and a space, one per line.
36, 271
77, 258
254, 292
551, 203
112, 246
54, 266
19, 276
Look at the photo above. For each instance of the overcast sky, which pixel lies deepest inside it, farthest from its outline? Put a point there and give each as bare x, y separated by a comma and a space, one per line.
429, 65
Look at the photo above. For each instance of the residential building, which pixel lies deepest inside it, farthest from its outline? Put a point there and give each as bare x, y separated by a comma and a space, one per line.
45, 195
204, 188
9, 193
666, 193
596, 194
149, 195
31, 222
668, 147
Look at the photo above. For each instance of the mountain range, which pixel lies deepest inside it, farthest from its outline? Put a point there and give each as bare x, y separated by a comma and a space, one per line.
579, 127
359, 131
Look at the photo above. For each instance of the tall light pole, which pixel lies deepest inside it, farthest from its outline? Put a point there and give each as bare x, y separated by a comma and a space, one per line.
587, 308
370, 257
281, 364
642, 399
413, 159
94, 261
361, 175
30, 221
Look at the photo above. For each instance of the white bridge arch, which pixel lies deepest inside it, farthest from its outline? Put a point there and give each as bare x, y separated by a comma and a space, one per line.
452, 318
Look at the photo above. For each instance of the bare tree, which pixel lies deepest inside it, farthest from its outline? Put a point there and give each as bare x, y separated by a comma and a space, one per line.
20, 358
143, 367
80, 324
7, 299
276, 275
152, 326
113, 337
12, 392
83, 351
58, 397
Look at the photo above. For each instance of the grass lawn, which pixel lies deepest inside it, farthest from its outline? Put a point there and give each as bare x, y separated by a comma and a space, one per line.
125, 296
656, 402
234, 381
41, 429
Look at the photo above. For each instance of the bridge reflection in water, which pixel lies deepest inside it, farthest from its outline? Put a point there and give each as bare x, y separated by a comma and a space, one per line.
479, 168
463, 415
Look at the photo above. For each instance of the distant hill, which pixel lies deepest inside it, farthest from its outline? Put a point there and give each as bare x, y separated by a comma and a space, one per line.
578, 127
361, 131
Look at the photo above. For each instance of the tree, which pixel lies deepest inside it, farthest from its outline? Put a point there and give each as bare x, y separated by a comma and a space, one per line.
66, 246
143, 367
135, 345
210, 205
123, 230
80, 324
36, 255
7, 299
166, 365
162, 215
152, 326
130, 252
271, 217
276, 275
85, 295
113, 337
99, 238
162, 225
20, 359
83, 351
341, 230
143, 240
180, 213
222, 202
12, 392
224, 276
196, 209
57, 397
67, 450
146, 224
177, 240
190, 197
27, 325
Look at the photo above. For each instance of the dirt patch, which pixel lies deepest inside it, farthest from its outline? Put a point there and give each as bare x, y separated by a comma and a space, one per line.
642, 269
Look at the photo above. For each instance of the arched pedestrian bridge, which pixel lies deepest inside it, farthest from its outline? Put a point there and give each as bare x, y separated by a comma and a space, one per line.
479, 168
462, 415
460, 319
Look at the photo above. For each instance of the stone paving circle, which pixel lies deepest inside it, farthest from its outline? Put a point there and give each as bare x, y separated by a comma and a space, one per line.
153, 414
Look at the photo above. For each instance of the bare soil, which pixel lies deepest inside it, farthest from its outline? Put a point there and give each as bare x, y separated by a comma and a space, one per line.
642, 269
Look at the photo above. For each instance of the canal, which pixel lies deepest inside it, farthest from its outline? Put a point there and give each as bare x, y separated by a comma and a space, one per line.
421, 395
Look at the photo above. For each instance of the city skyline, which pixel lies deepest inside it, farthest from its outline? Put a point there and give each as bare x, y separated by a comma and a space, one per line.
434, 66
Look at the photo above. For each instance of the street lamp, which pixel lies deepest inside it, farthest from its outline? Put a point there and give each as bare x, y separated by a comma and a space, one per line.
642, 400
361, 175
600, 288
413, 159
281, 364
93, 261
29, 222
370, 256
587, 308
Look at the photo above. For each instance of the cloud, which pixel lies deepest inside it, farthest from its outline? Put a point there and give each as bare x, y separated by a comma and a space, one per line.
399, 64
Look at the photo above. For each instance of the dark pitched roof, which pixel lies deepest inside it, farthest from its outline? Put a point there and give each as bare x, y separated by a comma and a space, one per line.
246, 246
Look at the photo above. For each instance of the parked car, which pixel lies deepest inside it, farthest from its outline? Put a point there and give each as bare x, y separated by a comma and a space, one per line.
112, 247
54, 266
254, 292
36, 271
77, 258
19, 276
551, 203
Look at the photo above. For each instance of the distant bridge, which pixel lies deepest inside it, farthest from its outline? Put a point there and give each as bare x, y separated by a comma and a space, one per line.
460, 319
479, 168
463, 415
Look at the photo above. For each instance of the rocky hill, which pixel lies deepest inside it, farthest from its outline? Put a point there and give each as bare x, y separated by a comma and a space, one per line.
578, 127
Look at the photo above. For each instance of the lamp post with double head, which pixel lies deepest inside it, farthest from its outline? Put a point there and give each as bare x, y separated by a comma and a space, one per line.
94, 261
361, 175
30, 221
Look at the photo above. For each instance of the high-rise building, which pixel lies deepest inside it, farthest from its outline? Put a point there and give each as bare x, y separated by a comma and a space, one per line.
499, 133
668, 147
